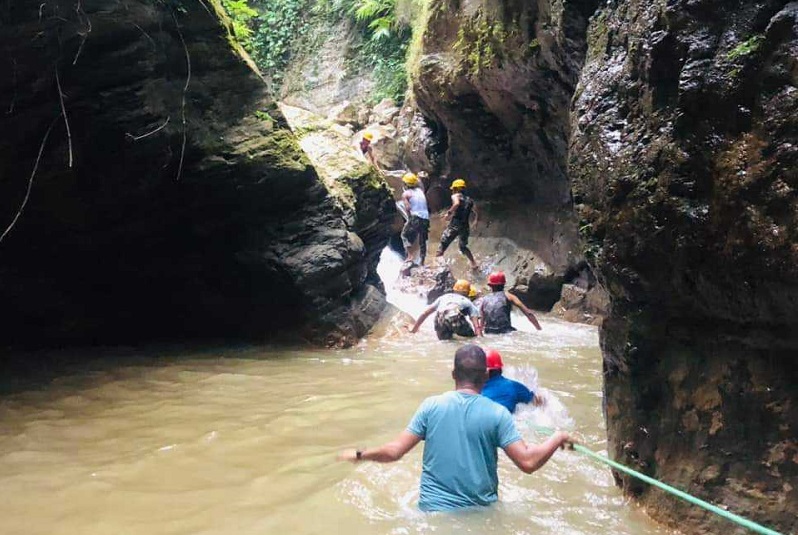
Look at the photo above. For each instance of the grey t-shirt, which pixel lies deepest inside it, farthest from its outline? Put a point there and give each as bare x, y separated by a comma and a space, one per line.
453, 300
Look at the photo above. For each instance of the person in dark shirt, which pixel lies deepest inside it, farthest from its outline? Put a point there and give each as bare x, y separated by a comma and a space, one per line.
503, 391
496, 306
459, 218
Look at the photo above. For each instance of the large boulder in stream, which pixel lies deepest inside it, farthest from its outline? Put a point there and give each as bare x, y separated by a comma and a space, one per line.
684, 161
156, 191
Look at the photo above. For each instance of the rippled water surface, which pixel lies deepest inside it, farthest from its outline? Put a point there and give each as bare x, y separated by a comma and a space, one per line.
243, 441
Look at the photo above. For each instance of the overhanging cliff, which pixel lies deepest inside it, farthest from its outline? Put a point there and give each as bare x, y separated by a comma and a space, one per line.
167, 197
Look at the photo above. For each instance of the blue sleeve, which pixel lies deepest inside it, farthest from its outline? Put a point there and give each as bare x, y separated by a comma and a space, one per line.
418, 425
523, 394
473, 311
508, 433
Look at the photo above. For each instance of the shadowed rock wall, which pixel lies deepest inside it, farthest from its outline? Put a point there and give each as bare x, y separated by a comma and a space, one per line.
495, 79
683, 160
188, 209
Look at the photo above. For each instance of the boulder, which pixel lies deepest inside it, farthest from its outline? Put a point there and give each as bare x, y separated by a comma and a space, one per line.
444, 282
384, 112
177, 204
344, 113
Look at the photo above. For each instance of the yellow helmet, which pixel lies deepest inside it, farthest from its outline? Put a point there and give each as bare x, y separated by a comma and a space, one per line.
462, 286
458, 184
410, 179
472, 293
368, 135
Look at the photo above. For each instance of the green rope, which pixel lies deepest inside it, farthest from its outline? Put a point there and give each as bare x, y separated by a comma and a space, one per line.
758, 528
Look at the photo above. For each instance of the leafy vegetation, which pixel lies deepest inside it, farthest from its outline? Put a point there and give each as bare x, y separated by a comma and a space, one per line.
241, 14
271, 30
745, 48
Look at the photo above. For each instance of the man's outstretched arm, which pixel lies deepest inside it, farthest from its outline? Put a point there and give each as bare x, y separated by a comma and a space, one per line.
424, 315
528, 313
387, 453
531, 457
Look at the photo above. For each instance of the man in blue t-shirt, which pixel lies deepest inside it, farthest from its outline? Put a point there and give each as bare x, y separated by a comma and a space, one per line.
462, 431
503, 391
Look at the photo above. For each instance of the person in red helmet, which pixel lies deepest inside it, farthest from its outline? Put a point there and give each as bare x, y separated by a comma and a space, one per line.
497, 305
503, 391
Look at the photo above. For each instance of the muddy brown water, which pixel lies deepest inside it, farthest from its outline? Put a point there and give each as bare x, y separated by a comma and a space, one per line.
243, 440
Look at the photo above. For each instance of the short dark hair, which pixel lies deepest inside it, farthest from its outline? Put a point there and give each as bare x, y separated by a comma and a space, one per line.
470, 365
494, 373
496, 287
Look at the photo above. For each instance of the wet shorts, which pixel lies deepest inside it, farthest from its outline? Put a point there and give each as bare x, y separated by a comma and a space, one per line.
451, 322
452, 232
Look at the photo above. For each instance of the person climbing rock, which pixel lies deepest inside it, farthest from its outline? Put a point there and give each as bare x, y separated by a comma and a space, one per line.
452, 312
417, 223
368, 150
503, 391
495, 307
458, 216
462, 432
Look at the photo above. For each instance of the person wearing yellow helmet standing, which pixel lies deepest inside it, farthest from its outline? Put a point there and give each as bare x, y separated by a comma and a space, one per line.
452, 313
417, 224
459, 216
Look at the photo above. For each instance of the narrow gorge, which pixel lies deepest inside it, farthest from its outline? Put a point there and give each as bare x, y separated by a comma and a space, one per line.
635, 165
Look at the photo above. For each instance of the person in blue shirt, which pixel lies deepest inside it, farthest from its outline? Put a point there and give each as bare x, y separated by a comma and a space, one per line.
503, 391
462, 431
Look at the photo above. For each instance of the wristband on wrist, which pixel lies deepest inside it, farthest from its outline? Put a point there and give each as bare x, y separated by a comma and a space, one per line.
359, 455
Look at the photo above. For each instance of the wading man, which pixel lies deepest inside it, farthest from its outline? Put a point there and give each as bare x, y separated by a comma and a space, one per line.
462, 432
452, 312
506, 392
495, 307
459, 227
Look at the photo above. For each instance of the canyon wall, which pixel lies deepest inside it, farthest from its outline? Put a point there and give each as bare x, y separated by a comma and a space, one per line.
670, 127
683, 156
160, 192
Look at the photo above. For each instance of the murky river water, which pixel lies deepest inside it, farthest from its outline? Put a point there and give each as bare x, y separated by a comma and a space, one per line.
243, 441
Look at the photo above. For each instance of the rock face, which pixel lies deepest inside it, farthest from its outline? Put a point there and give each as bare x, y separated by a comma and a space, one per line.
674, 124
176, 203
320, 75
684, 159
494, 80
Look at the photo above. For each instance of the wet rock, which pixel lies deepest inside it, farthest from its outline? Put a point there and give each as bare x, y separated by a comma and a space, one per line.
443, 284
175, 207
683, 166
344, 113
536, 283
384, 112
319, 77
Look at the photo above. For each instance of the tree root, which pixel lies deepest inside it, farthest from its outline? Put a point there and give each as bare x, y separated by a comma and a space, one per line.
64, 114
30, 182
183, 103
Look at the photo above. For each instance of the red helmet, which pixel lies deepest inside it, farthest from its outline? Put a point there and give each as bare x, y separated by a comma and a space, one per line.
497, 279
494, 360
